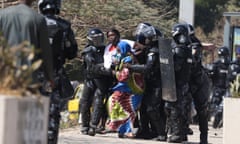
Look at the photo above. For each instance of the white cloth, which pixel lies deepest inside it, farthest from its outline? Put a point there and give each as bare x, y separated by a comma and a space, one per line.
108, 56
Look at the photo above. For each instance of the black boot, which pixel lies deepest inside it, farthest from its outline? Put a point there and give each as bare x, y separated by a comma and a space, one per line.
175, 139
176, 133
84, 130
92, 131
203, 139
160, 138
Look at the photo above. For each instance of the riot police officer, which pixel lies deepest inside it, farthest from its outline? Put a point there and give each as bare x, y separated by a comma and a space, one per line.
219, 76
96, 83
64, 46
234, 69
176, 111
152, 107
199, 86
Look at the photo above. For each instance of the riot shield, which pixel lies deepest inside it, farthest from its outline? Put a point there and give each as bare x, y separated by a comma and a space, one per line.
167, 70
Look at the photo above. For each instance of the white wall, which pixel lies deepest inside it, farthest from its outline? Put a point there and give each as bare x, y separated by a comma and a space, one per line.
186, 11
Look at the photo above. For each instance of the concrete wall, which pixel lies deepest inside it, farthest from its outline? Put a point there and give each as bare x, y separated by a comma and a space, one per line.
187, 11
23, 120
231, 121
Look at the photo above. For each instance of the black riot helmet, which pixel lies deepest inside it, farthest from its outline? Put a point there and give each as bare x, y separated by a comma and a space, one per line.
95, 37
223, 52
45, 6
146, 33
180, 34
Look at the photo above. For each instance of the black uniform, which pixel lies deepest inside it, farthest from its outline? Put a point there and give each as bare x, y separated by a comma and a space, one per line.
219, 76
200, 89
97, 82
219, 73
62, 50
64, 45
178, 110
152, 107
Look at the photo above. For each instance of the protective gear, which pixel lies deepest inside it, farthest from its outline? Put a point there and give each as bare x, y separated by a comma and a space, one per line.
180, 34
146, 33
85, 104
152, 101
52, 5
95, 37
199, 88
167, 70
64, 45
182, 54
55, 107
219, 74
97, 82
223, 52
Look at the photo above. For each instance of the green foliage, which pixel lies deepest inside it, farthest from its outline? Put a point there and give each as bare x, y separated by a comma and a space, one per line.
235, 87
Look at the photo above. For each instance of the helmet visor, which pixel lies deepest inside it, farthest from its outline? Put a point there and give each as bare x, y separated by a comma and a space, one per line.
146, 30
96, 39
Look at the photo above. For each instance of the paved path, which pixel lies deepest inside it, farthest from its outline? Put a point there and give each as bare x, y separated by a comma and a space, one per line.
73, 136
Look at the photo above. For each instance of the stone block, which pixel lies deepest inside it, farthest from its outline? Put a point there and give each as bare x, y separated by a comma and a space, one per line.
23, 120
231, 120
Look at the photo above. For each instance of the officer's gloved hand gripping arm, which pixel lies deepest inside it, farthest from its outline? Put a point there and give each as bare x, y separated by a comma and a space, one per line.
144, 68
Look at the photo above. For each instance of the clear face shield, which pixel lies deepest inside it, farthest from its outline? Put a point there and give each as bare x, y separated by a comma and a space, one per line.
96, 39
146, 30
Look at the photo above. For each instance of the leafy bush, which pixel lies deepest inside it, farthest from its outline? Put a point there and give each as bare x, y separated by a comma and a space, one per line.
16, 68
